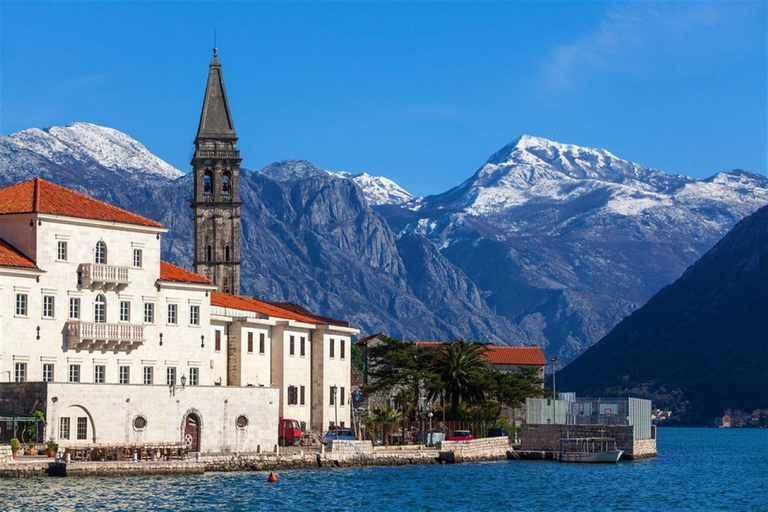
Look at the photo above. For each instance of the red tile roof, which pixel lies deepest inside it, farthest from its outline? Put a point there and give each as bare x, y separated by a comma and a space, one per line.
516, 355
169, 272
40, 196
225, 300
503, 355
12, 257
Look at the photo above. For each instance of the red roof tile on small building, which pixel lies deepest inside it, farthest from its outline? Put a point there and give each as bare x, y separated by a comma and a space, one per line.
243, 303
515, 355
504, 355
41, 196
12, 257
170, 272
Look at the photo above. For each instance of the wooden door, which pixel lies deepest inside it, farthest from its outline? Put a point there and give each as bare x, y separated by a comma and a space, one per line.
192, 433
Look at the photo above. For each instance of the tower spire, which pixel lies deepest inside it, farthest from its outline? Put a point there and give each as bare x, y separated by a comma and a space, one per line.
216, 118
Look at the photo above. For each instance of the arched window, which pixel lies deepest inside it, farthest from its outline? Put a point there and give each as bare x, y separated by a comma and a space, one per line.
225, 184
208, 253
100, 309
226, 253
100, 255
208, 183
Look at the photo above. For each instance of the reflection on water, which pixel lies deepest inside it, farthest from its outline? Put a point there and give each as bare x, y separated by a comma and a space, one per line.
698, 469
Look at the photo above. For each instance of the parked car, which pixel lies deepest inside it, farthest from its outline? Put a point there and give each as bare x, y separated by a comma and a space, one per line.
497, 432
339, 434
288, 432
461, 435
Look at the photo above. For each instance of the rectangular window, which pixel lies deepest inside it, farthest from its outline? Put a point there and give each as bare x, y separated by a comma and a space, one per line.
21, 304
48, 303
342, 397
148, 375
64, 428
99, 374
261, 343
302, 347
342, 349
194, 376
292, 395
303, 395
48, 372
170, 376
125, 374
332, 348
74, 373
82, 428
292, 345
194, 315
250, 343
61, 251
125, 311
74, 308
333, 396
20, 372
149, 313
137, 258
173, 310
217, 341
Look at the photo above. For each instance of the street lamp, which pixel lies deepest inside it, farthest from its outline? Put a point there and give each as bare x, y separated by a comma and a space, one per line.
429, 415
336, 405
554, 391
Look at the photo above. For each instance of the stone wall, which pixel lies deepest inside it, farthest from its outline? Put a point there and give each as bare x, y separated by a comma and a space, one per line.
6, 455
546, 438
352, 448
126, 468
476, 449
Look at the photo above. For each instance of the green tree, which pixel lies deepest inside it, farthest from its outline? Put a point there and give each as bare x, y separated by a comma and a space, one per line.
462, 370
512, 388
387, 418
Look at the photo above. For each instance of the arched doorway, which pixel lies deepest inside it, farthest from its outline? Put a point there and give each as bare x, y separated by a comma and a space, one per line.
192, 432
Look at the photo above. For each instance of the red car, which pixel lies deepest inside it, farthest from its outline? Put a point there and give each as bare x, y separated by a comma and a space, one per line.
461, 435
288, 432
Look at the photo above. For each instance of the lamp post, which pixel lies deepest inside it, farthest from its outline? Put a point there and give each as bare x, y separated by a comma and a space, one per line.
429, 415
336, 405
554, 391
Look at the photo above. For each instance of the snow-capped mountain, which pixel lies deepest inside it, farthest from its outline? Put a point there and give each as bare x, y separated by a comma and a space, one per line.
84, 146
547, 243
378, 190
567, 240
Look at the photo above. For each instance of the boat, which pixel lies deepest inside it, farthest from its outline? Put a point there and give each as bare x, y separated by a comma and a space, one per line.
589, 449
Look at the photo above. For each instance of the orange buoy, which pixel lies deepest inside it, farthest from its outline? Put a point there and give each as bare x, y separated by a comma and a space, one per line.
271, 478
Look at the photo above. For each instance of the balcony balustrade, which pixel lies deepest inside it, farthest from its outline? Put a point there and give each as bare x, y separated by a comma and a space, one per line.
107, 277
98, 336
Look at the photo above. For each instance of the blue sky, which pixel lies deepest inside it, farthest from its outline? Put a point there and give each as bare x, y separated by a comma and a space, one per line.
420, 92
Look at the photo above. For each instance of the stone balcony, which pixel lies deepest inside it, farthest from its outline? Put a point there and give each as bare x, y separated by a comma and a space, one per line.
97, 336
107, 277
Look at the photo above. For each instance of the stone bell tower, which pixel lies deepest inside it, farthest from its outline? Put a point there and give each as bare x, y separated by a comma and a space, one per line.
216, 201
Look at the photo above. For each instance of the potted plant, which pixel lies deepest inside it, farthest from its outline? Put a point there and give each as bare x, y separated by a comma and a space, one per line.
30, 449
51, 448
15, 446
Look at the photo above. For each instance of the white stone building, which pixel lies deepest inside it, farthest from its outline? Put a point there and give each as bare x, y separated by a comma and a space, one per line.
126, 348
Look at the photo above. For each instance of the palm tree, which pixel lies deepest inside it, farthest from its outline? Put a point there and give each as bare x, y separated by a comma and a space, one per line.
387, 417
463, 371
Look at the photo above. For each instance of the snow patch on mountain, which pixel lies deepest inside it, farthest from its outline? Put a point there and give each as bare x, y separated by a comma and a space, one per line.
378, 190
84, 145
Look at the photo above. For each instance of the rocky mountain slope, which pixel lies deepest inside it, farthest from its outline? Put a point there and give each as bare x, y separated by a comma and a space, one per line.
547, 244
700, 344
565, 241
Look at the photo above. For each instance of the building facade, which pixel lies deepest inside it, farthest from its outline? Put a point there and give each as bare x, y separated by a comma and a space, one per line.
115, 346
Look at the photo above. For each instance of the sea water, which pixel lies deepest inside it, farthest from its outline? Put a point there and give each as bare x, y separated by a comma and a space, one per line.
697, 469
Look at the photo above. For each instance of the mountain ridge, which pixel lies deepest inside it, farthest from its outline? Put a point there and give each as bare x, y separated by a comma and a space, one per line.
558, 266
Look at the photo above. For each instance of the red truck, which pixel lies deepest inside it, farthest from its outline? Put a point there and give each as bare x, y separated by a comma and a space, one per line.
288, 432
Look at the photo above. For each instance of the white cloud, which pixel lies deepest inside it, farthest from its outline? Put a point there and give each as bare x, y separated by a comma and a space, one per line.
623, 36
